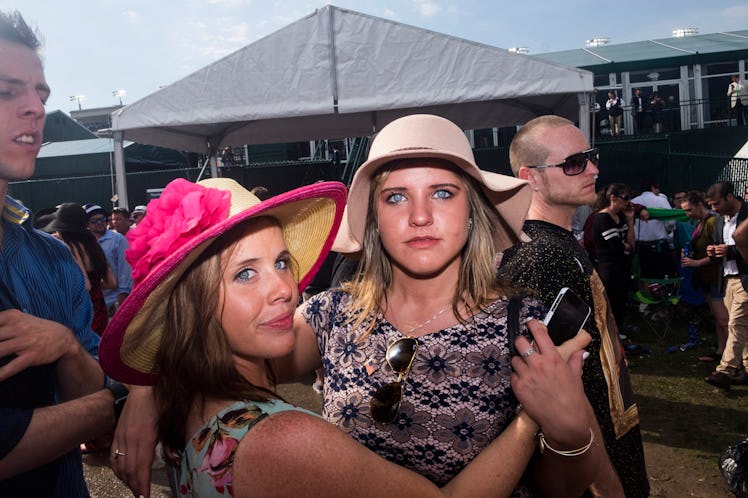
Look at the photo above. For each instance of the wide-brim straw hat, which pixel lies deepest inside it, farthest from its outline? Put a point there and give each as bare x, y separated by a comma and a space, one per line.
181, 225
428, 136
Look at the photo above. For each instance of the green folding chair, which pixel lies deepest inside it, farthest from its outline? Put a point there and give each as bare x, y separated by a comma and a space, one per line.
660, 296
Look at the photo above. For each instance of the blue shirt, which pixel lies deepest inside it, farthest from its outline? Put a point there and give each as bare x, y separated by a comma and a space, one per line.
44, 280
114, 245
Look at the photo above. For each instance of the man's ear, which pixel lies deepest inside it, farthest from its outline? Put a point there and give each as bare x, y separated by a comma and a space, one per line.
528, 174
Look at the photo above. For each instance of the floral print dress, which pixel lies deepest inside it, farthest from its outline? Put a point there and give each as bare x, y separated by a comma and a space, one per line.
457, 397
206, 466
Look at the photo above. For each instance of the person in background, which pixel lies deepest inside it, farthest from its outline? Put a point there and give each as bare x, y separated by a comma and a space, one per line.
614, 105
707, 273
653, 237
613, 232
137, 215
51, 386
120, 220
578, 221
639, 111
114, 245
738, 94
731, 211
555, 157
657, 110
690, 297
70, 226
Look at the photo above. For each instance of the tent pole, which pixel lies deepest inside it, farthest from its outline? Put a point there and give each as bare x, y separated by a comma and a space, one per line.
584, 114
119, 168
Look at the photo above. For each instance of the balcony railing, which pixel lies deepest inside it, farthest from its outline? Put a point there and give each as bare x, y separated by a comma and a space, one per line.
685, 115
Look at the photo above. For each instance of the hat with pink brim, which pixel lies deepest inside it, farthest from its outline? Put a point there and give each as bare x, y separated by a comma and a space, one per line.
181, 224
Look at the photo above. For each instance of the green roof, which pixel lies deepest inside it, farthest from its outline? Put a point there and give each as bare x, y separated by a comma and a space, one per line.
714, 47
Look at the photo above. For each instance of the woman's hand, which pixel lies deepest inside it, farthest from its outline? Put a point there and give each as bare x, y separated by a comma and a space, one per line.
135, 441
547, 381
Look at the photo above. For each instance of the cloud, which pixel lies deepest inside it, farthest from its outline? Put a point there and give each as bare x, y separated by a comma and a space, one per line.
427, 8
736, 12
227, 3
131, 14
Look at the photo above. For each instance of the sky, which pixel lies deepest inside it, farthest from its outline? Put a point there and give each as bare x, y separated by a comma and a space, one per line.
93, 48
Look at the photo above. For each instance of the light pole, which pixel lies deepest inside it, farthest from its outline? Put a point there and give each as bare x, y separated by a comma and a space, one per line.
78, 99
119, 94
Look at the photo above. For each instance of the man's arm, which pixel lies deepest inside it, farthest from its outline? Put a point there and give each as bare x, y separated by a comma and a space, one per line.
56, 430
35, 341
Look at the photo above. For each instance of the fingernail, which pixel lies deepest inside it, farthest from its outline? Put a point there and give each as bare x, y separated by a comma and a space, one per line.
585, 355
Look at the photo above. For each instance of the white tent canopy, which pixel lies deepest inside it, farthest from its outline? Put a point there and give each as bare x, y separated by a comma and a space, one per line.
338, 73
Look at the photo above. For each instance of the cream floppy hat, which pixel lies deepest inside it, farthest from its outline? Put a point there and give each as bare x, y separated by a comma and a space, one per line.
428, 136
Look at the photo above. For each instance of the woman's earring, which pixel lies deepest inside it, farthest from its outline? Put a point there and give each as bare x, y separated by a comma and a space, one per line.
470, 224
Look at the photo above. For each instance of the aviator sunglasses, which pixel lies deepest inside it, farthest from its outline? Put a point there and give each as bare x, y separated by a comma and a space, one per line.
575, 164
385, 405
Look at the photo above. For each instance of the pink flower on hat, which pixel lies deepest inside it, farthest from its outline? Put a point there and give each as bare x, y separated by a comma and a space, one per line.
184, 210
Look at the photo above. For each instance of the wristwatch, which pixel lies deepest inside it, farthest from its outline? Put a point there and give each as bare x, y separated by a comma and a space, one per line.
120, 392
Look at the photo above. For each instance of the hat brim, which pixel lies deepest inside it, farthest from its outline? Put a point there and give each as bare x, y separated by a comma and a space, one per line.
498, 188
309, 216
57, 226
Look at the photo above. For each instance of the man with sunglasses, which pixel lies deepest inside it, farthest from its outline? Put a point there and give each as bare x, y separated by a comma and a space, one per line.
555, 157
654, 238
114, 245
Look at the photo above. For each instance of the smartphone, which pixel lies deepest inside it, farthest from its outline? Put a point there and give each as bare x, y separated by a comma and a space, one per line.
567, 316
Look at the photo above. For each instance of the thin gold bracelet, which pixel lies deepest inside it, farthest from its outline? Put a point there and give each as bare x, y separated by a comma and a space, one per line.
567, 453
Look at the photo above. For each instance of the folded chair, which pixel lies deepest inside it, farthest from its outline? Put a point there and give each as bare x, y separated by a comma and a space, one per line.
657, 299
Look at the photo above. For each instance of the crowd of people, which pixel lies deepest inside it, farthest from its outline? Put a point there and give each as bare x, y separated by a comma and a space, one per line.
439, 376
700, 253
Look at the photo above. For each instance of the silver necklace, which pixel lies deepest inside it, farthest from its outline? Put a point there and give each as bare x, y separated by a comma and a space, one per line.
423, 324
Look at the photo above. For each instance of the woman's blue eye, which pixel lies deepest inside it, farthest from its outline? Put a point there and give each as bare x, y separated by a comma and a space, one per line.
395, 198
283, 264
443, 194
246, 274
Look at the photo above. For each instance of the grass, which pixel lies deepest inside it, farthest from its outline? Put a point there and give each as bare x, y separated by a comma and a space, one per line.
692, 420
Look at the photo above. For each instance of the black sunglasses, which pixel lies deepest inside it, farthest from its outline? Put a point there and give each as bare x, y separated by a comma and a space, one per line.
624, 197
575, 164
96, 221
385, 405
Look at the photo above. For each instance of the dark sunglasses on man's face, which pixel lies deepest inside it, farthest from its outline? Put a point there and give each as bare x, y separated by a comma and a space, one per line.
385, 404
575, 164
96, 221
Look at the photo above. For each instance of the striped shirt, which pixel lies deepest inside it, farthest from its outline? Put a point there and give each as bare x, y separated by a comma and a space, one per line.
43, 280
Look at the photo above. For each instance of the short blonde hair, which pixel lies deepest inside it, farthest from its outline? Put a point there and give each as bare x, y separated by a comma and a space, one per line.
527, 147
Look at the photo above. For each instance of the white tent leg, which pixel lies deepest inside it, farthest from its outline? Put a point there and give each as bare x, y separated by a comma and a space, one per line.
119, 169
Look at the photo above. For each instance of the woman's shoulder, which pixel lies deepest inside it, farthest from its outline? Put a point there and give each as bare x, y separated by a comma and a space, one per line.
208, 459
282, 453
